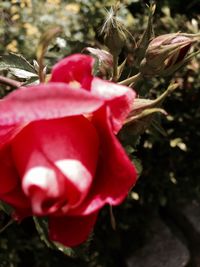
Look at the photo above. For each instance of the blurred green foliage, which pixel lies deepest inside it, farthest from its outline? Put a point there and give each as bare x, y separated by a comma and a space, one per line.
23, 22
170, 160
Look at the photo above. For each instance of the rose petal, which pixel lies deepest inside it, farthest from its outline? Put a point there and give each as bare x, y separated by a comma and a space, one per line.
10, 189
57, 161
119, 99
17, 199
8, 132
46, 101
71, 231
115, 173
76, 67
9, 175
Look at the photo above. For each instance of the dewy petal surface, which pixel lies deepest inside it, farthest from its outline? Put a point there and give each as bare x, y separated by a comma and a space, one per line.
71, 231
46, 101
76, 68
58, 157
115, 174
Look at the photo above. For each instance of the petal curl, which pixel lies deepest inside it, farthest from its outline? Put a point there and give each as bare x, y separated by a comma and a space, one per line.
76, 67
46, 101
119, 99
115, 174
71, 231
57, 162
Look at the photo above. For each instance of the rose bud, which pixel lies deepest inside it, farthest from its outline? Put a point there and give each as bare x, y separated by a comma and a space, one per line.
114, 32
104, 60
165, 54
59, 154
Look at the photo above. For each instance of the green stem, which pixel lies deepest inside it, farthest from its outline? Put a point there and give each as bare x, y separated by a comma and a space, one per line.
41, 70
115, 68
132, 80
5, 226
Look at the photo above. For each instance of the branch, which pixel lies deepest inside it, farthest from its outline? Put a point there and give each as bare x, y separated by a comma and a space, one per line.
10, 82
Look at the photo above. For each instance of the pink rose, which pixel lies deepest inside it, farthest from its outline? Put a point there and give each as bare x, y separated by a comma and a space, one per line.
59, 154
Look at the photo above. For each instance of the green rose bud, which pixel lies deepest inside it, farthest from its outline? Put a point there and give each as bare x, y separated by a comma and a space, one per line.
114, 31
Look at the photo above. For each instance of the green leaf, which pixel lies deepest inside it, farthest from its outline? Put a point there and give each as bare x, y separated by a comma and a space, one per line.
6, 226
146, 37
138, 165
129, 149
32, 81
66, 250
121, 68
158, 127
22, 74
41, 225
6, 208
14, 61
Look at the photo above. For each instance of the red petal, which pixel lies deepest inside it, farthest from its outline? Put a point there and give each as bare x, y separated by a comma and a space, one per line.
9, 175
17, 199
119, 99
115, 174
10, 189
76, 67
71, 231
46, 101
57, 161
8, 132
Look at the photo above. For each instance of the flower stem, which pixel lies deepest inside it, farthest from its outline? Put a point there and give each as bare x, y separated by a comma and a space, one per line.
115, 68
132, 80
41, 70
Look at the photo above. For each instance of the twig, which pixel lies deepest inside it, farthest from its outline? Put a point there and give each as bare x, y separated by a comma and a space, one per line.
10, 82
